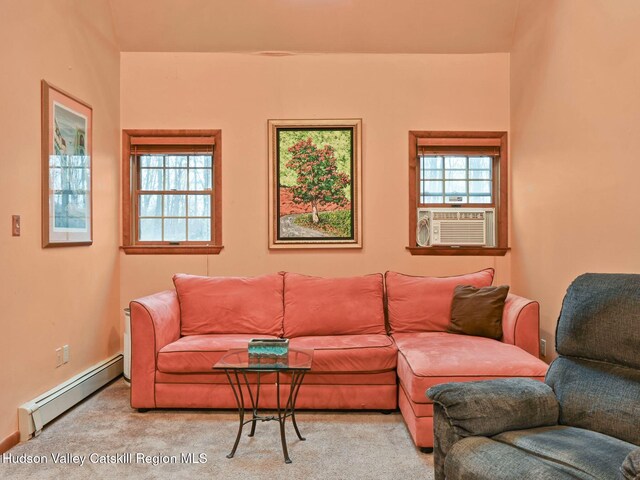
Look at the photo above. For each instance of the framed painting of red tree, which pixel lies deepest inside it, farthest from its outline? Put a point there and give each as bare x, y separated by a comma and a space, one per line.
315, 198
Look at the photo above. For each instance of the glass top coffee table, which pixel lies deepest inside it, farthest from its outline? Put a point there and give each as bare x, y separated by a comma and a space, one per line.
237, 363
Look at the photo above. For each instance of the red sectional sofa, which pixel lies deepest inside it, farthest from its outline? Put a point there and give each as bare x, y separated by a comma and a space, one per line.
361, 361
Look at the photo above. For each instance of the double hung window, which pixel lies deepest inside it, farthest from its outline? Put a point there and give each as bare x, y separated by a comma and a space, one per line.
458, 176
172, 200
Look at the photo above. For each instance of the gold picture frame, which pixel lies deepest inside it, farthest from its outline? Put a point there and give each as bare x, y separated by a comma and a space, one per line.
315, 184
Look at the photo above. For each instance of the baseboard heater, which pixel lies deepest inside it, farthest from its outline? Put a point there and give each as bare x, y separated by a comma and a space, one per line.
34, 415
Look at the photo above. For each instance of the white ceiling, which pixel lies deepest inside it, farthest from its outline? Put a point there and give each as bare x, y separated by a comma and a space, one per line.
315, 26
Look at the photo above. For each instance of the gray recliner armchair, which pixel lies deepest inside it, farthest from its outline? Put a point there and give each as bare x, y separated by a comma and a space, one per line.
583, 422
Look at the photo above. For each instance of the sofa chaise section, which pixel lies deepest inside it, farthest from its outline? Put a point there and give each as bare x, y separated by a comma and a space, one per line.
419, 313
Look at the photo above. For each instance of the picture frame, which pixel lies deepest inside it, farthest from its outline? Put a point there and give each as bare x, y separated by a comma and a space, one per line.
315, 185
67, 180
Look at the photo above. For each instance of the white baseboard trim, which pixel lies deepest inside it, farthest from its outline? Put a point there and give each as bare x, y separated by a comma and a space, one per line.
35, 414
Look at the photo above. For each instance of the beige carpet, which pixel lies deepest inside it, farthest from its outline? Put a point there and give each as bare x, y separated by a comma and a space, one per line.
338, 445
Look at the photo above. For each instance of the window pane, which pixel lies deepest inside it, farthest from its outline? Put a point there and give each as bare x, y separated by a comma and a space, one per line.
150, 229
480, 162
200, 161
431, 162
455, 174
430, 199
458, 163
431, 187
479, 199
151, 161
480, 187
200, 179
151, 179
176, 179
150, 205
200, 229
175, 229
199, 206
175, 205
179, 161
432, 174
480, 174
455, 187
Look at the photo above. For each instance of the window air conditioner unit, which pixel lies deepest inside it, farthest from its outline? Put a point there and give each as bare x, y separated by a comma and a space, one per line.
456, 227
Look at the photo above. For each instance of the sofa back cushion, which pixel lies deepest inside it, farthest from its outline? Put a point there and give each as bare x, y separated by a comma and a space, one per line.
333, 306
423, 304
210, 305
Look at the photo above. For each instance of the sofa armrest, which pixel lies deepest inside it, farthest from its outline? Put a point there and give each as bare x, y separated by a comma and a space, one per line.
155, 322
486, 408
630, 469
521, 324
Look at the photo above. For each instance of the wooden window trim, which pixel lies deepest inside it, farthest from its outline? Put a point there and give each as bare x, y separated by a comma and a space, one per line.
129, 245
468, 140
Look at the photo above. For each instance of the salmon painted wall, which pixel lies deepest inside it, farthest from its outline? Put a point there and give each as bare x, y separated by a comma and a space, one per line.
239, 92
55, 296
575, 106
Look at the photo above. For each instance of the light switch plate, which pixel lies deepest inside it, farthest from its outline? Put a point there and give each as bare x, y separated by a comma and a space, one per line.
15, 225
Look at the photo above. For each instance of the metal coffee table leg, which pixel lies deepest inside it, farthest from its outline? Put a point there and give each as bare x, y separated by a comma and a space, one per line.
296, 381
254, 403
240, 401
281, 419
289, 409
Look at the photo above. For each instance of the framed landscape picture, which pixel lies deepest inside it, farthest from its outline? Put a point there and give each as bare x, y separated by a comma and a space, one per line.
315, 198
66, 169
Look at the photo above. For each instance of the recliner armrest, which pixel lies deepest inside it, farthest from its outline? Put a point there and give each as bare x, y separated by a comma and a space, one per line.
486, 408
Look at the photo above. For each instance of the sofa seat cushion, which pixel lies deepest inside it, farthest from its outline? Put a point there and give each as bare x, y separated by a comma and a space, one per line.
199, 353
481, 458
432, 358
333, 306
595, 453
349, 353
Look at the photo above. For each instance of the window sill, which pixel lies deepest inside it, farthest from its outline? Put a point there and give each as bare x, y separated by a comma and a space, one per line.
462, 251
172, 249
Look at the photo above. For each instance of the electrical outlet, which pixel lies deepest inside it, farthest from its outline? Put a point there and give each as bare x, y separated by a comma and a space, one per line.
58, 357
65, 354
543, 347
